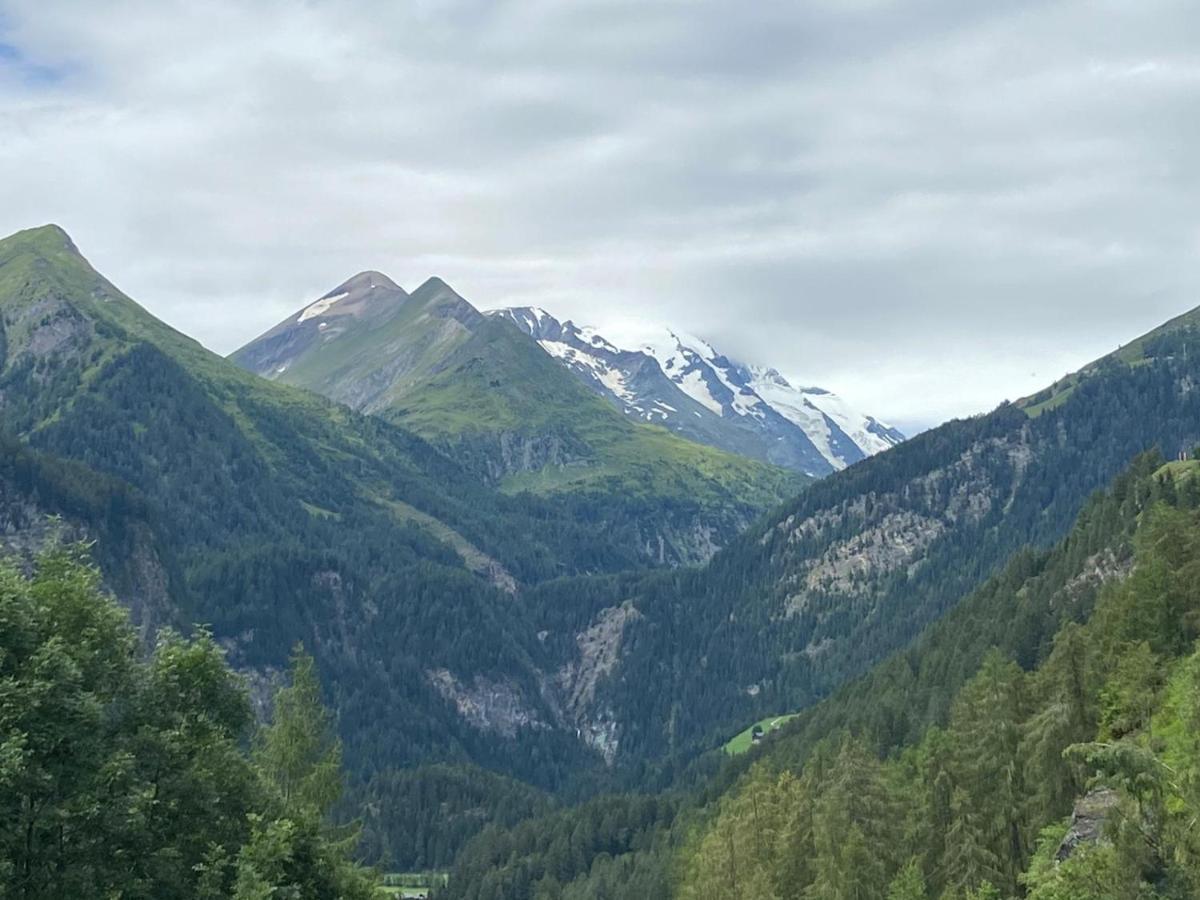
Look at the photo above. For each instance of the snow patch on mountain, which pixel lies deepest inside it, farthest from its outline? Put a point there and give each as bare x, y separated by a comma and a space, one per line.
866, 431
321, 307
667, 376
610, 376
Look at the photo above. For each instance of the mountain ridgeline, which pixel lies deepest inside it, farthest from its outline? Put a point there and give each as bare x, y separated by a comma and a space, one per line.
273, 515
855, 567
1039, 740
681, 382
487, 395
481, 549
1042, 738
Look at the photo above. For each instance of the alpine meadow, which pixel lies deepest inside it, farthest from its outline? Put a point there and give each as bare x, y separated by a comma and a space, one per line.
796, 496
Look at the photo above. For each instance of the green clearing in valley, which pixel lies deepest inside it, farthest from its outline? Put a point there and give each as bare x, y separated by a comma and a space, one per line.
412, 884
743, 741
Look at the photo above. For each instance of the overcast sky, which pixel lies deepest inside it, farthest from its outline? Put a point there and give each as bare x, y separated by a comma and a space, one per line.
928, 207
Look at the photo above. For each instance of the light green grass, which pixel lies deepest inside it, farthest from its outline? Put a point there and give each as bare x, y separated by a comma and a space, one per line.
1180, 469
412, 884
318, 512
473, 558
1059, 394
745, 740
1135, 353
469, 387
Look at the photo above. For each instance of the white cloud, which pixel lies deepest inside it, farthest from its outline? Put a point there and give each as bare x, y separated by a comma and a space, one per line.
921, 205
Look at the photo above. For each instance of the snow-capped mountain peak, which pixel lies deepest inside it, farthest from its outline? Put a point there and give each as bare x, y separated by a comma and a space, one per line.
666, 376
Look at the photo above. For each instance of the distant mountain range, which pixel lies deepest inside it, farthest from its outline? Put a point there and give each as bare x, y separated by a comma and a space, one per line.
487, 568
669, 377
484, 392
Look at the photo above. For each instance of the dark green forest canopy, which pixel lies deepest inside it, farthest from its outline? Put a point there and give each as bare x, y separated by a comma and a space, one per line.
950, 769
975, 800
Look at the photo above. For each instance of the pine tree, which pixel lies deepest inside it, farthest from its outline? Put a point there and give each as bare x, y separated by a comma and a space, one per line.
793, 872
985, 730
298, 753
909, 883
1129, 697
1065, 694
855, 825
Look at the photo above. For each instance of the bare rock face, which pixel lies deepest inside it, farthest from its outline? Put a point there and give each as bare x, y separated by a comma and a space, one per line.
148, 594
487, 704
1088, 821
880, 534
49, 327
569, 699
690, 542
141, 584
1098, 570
24, 527
599, 653
515, 453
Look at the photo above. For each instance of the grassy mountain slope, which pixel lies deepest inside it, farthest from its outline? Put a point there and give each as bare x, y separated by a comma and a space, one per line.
73, 340
486, 393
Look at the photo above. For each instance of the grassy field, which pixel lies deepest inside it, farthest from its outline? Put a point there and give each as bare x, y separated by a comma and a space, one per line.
1180, 469
743, 741
412, 884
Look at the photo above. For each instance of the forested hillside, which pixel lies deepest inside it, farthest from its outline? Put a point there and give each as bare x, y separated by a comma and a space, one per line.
1075, 777
494, 657
856, 566
1039, 741
276, 516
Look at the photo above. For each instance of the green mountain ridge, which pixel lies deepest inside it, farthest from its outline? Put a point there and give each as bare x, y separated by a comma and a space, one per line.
1032, 742
483, 391
1058, 702
274, 515
516, 632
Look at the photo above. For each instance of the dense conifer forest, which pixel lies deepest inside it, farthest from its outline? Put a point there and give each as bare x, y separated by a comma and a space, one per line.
1040, 741
522, 699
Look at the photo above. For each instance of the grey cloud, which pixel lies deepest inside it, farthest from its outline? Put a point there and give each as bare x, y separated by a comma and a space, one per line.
928, 206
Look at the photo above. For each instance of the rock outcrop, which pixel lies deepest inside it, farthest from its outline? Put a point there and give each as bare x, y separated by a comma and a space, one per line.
1088, 821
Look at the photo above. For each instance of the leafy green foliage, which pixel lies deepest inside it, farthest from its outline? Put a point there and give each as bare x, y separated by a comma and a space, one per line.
126, 776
